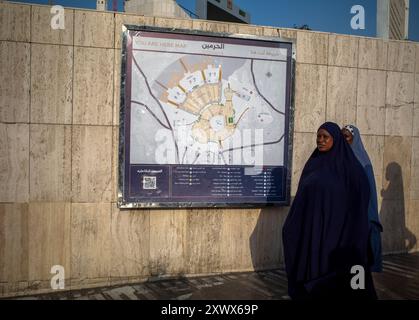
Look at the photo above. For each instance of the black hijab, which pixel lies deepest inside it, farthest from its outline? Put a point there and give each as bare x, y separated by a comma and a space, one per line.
326, 230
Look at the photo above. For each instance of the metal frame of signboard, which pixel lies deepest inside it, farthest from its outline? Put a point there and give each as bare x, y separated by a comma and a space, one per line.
289, 121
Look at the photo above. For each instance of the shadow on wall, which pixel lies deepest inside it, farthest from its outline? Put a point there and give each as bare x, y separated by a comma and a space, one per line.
396, 237
266, 239
267, 251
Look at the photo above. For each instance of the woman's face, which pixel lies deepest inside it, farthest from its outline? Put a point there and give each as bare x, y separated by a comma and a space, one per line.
324, 140
348, 135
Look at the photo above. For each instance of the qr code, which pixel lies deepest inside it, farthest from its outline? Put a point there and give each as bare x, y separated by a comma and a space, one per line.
149, 183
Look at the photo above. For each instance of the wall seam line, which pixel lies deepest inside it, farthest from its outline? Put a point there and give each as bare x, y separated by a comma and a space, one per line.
30, 103
385, 115
71, 151
356, 86
327, 76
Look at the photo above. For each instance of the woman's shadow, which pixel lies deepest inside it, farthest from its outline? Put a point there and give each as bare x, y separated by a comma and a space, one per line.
396, 237
267, 252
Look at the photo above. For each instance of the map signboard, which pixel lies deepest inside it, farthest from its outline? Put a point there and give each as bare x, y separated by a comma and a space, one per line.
204, 119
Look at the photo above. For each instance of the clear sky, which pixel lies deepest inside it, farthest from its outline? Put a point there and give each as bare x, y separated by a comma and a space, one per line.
319, 15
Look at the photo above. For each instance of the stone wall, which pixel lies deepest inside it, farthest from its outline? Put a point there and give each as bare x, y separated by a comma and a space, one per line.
164, 8
59, 100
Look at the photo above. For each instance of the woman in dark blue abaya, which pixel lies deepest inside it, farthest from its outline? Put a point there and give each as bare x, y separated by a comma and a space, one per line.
352, 135
325, 234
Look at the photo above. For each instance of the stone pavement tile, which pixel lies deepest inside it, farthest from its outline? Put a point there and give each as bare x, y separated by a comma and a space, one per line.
274, 285
199, 283
184, 296
399, 281
143, 292
156, 292
121, 293
229, 291
97, 296
194, 283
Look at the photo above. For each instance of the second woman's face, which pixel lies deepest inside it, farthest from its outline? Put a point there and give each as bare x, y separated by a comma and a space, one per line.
348, 136
324, 140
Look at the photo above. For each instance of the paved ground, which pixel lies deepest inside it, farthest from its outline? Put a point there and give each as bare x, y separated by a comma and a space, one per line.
400, 280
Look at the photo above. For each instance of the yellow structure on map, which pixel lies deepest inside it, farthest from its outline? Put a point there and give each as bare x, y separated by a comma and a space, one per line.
216, 122
199, 92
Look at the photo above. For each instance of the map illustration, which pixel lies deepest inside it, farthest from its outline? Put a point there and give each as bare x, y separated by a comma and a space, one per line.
215, 109
205, 119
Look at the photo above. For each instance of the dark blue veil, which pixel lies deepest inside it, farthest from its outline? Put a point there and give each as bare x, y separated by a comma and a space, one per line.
375, 227
326, 231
